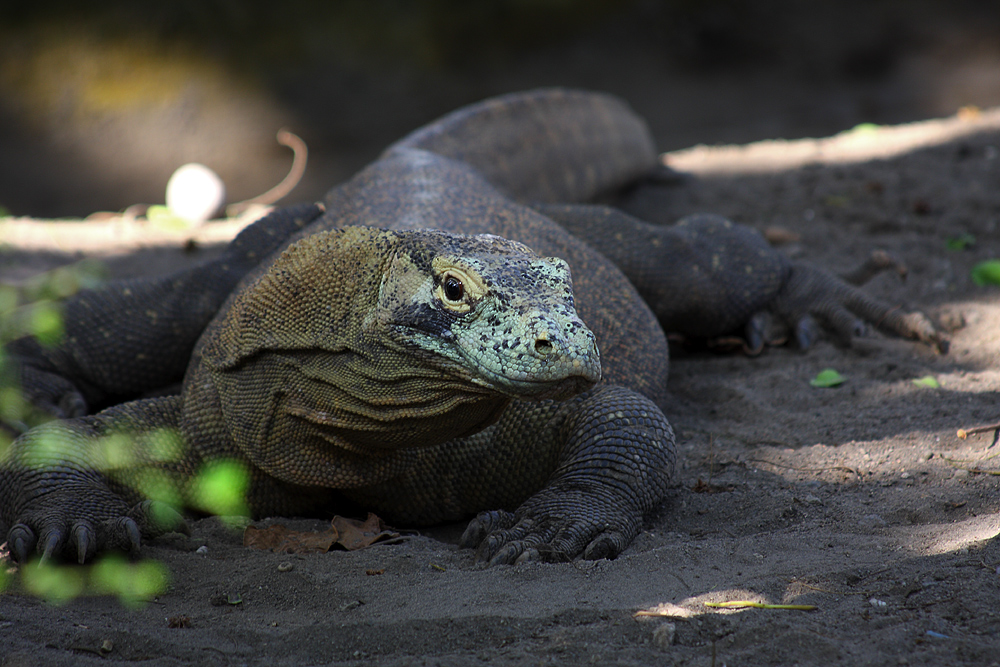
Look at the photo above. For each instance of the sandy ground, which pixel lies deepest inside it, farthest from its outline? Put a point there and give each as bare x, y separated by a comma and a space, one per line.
858, 499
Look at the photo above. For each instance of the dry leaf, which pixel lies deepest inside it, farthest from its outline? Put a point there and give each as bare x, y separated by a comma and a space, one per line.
348, 534
282, 539
356, 534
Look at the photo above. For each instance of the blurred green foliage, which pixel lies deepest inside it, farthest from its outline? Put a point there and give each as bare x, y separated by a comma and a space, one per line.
220, 488
140, 460
133, 584
33, 309
960, 242
56, 584
986, 273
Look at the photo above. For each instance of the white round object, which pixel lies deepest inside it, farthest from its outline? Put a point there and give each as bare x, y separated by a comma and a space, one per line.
195, 192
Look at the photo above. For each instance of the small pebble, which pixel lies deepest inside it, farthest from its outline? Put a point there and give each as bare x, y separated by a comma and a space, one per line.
960, 473
663, 636
201, 550
875, 602
285, 566
905, 475
871, 521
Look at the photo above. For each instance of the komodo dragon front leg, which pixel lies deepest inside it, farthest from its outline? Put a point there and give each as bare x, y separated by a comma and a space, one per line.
595, 465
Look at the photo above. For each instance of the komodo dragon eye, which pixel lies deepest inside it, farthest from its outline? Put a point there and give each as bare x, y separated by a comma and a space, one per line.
454, 290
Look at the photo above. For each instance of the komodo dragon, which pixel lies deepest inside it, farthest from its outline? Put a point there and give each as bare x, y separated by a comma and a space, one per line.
344, 353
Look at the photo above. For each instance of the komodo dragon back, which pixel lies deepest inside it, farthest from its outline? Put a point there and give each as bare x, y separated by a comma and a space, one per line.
548, 145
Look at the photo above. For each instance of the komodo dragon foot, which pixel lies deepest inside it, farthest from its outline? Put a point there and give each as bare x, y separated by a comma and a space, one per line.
621, 459
810, 294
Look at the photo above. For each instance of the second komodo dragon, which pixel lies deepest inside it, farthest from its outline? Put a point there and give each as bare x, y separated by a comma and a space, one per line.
345, 352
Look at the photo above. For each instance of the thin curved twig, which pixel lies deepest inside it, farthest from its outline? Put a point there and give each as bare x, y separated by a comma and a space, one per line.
300, 155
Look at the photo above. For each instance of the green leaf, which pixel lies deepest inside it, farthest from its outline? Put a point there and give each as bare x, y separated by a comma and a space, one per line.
927, 381
827, 378
961, 242
164, 218
986, 273
864, 128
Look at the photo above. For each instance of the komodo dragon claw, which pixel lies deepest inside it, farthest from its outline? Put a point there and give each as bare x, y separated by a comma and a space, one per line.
53, 539
811, 294
500, 539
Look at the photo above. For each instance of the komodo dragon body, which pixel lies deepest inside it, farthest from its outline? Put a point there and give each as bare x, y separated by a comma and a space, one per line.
348, 352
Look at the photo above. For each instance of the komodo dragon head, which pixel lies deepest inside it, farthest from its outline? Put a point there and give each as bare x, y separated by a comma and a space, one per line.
375, 340
487, 310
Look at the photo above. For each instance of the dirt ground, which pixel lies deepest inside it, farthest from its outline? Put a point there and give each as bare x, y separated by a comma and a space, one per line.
858, 499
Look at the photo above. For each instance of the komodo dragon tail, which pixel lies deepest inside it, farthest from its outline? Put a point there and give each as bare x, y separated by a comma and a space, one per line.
547, 145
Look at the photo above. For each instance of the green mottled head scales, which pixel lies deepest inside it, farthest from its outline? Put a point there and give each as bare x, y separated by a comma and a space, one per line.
373, 341
502, 314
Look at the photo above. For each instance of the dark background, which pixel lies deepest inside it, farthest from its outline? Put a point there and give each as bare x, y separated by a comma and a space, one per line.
99, 106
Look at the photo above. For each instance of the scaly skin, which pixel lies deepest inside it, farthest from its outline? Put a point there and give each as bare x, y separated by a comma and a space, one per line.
332, 354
